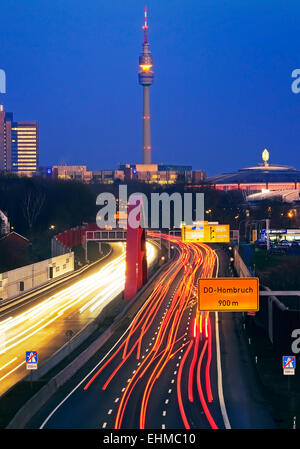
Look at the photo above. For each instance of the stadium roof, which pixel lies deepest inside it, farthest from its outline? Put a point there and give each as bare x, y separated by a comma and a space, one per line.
259, 174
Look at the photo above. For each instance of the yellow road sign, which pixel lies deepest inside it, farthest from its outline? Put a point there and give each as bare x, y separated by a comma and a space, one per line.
228, 294
217, 233
206, 233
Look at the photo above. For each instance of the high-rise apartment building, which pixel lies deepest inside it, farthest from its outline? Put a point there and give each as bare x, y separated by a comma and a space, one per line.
19, 146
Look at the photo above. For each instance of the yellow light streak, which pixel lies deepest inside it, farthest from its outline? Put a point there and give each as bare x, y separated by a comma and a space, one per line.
104, 285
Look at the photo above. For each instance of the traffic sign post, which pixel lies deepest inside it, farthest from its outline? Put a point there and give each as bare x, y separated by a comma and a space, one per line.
228, 294
289, 365
289, 368
31, 360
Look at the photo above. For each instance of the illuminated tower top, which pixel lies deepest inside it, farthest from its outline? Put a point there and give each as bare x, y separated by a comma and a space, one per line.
265, 156
146, 73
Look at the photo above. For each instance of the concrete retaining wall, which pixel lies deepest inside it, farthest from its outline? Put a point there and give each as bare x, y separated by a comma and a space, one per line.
15, 282
240, 265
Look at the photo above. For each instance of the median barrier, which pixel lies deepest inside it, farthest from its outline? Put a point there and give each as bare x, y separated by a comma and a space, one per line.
273, 316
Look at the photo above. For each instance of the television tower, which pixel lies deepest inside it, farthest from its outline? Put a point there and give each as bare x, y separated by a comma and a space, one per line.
146, 76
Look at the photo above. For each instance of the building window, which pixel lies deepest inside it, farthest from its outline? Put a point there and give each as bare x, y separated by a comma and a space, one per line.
21, 286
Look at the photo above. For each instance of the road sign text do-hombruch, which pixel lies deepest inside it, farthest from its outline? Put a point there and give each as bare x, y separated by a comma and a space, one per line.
228, 294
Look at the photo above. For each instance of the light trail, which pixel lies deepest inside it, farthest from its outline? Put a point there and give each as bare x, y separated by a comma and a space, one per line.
84, 297
152, 365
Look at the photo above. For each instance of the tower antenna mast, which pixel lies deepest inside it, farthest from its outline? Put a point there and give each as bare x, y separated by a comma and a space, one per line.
145, 27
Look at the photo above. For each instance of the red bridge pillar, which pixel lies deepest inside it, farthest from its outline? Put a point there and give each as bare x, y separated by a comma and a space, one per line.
136, 258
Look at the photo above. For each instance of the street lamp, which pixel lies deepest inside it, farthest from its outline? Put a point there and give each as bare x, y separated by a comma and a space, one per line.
291, 213
242, 221
209, 211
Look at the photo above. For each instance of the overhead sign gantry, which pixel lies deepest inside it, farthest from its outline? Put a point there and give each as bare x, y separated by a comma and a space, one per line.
205, 232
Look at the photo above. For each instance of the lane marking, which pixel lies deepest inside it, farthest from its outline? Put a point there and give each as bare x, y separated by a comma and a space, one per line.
220, 384
88, 375
83, 380
219, 366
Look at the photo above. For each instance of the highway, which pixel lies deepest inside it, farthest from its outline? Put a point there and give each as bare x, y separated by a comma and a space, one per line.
166, 370
41, 324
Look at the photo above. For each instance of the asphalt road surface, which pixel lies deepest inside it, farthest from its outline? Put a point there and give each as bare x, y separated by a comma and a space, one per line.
172, 368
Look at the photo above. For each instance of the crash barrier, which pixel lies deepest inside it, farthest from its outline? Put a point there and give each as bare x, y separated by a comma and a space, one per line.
273, 316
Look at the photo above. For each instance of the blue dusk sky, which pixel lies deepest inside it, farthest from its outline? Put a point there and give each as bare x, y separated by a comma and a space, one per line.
222, 88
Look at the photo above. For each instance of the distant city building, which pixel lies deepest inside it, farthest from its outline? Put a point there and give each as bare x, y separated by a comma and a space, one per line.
263, 179
198, 176
277, 235
148, 173
19, 145
45, 171
108, 176
161, 174
287, 196
72, 172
